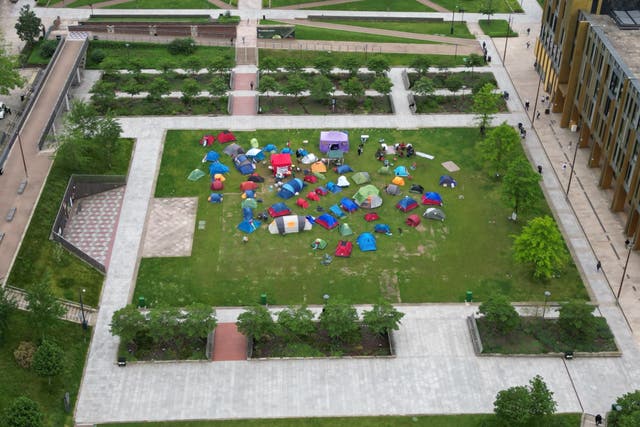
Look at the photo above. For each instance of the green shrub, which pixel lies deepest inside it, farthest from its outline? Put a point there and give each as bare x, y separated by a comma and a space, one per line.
48, 48
24, 354
97, 56
182, 46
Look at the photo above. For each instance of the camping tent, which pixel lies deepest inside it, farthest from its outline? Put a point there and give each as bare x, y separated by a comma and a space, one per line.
361, 178
335, 156
289, 224
281, 163
345, 230
233, 150
401, 171
321, 191
382, 228
319, 244
432, 198
270, 148
249, 225
244, 165
249, 203
371, 216
348, 205
195, 175
416, 188
302, 203
343, 182
308, 159
207, 140
219, 177
335, 209
344, 249
256, 154
447, 181
311, 179
215, 198
367, 242
342, 169
313, 196
255, 178
248, 185
291, 188
254, 143
212, 156
412, 220
434, 213
225, 136
368, 197
279, 209
333, 187
393, 190
217, 185
406, 204
334, 140
398, 180
247, 213
327, 221
384, 170
217, 167
318, 167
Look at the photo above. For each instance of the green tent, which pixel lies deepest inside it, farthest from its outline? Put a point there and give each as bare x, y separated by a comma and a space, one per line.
345, 230
254, 143
384, 170
195, 175
319, 244
361, 178
249, 203
368, 197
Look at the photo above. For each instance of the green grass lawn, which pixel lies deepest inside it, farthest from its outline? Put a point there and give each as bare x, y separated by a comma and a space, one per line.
476, 420
436, 262
164, 4
498, 6
40, 259
16, 381
151, 55
420, 27
35, 57
307, 57
377, 5
195, 20
311, 33
496, 28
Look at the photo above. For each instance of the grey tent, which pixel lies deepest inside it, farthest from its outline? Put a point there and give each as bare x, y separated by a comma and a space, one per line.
393, 189
434, 213
233, 150
361, 178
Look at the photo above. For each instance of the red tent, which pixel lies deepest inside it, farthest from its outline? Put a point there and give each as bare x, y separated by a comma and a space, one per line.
302, 203
371, 217
312, 179
321, 191
344, 248
313, 196
217, 185
248, 185
225, 136
413, 220
281, 163
207, 140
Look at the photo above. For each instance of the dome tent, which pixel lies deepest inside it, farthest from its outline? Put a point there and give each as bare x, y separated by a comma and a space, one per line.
212, 156
368, 197
367, 242
407, 204
398, 180
434, 213
291, 188
432, 198
413, 220
279, 209
343, 182
361, 178
345, 230
217, 167
382, 228
393, 190
401, 171
348, 205
327, 221
447, 181
289, 224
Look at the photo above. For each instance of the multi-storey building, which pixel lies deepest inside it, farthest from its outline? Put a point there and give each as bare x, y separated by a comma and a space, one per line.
588, 57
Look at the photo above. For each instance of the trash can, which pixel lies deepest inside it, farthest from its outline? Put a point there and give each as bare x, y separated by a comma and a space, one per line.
263, 299
142, 303
489, 58
469, 296
547, 111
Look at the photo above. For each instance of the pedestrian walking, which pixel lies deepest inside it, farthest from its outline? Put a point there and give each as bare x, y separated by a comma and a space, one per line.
528, 45
542, 99
251, 85
528, 31
564, 166
242, 39
359, 151
598, 266
484, 46
245, 239
598, 420
538, 115
540, 169
526, 105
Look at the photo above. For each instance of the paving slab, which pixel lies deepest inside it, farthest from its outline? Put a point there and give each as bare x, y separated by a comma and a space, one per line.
170, 228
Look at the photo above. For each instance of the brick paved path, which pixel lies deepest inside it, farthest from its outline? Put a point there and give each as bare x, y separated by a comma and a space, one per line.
229, 344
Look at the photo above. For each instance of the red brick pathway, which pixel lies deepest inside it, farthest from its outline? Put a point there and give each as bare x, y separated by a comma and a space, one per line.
229, 343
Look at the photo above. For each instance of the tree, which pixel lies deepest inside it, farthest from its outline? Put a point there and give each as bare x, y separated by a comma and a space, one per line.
167, 65
218, 86
382, 84
324, 64
453, 83
216, 65
295, 85
577, 321
540, 244
293, 64
157, 88
424, 86
256, 322
186, 46
44, 307
542, 403
321, 88
48, 360
163, 324
499, 148
354, 88
11, 77
485, 105
421, 64
131, 86
627, 413
512, 406
268, 85
297, 322
378, 64
474, 60
128, 323
520, 188
351, 64
193, 64
23, 412
7, 305
382, 318
500, 315
198, 320
28, 25
103, 95
268, 65
190, 88
340, 320
487, 9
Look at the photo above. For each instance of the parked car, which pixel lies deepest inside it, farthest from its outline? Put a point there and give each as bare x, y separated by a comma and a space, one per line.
3, 109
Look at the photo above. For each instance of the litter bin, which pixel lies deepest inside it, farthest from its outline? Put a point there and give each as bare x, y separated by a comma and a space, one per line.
547, 111
142, 303
469, 296
263, 299
489, 58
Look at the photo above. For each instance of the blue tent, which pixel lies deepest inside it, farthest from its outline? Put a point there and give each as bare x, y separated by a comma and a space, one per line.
286, 150
343, 169
250, 194
327, 221
333, 187
401, 171
244, 165
406, 204
247, 214
289, 189
432, 198
348, 205
382, 228
217, 167
212, 156
270, 148
249, 226
447, 181
215, 198
367, 242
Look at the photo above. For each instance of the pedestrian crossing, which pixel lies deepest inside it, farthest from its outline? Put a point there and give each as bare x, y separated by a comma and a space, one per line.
78, 35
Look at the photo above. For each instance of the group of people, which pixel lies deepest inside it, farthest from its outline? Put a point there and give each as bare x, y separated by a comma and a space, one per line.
401, 150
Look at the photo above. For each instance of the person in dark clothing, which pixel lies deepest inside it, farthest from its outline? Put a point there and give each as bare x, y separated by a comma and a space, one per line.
598, 420
540, 169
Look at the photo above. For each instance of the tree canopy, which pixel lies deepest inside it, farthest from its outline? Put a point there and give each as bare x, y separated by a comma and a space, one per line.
340, 320
577, 321
520, 188
43, 306
540, 245
23, 412
498, 312
519, 405
48, 361
485, 105
382, 318
11, 77
256, 322
627, 413
499, 147
28, 25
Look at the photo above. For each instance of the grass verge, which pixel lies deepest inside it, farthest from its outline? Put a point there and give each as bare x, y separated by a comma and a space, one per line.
498, 6
496, 28
166, 107
419, 27
455, 104
304, 32
16, 381
308, 106
379, 6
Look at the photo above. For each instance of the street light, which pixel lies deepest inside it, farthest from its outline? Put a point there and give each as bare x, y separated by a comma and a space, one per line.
24, 162
547, 294
629, 244
453, 17
573, 162
506, 39
84, 319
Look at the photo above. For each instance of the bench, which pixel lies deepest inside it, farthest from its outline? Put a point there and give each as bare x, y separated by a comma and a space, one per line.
11, 214
22, 186
1, 236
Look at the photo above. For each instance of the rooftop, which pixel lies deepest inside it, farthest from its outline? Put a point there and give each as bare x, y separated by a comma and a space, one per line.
626, 43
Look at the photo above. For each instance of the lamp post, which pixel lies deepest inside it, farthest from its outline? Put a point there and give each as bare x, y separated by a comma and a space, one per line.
629, 244
547, 294
24, 162
84, 319
127, 46
573, 162
453, 17
506, 40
